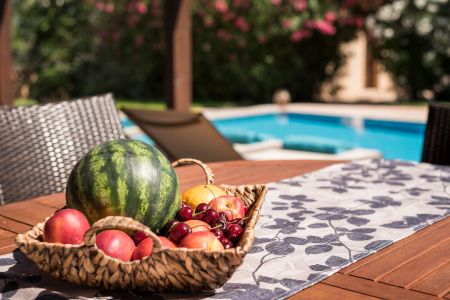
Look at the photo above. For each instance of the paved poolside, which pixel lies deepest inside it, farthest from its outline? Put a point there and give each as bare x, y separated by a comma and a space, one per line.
365, 111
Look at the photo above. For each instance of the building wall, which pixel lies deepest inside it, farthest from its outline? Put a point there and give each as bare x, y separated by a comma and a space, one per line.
354, 77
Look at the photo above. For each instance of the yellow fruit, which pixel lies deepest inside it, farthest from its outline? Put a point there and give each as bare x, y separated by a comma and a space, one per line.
201, 194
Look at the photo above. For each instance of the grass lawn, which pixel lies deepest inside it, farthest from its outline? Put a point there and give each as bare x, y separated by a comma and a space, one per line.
155, 104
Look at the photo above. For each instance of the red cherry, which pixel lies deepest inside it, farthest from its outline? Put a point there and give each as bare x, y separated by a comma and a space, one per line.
220, 224
202, 207
184, 204
139, 236
240, 222
234, 232
166, 229
223, 217
210, 217
218, 232
226, 242
179, 231
184, 214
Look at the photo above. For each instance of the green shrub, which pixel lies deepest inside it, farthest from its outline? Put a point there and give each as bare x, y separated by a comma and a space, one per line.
413, 43
242, 49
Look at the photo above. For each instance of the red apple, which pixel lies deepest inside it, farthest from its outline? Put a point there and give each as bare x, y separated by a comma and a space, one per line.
231, 206
197, 225
66, 226
201, 239
144, 249
116, 243
166, 243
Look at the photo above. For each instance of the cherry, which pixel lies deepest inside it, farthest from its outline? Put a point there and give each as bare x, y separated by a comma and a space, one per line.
199, 216
166, 229
179, 231
245, 208
139, 236
184, 214
210, 217
218, 232
220, 224
240, 222
226, 242
223, 217
234, 232
202, 207
184, 204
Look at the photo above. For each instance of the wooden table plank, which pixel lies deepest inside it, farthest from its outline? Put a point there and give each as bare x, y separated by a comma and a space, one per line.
437, 283
401, 253
420, 267
322, 291
19, 216
372, 288
56, 200
12, 225
27, 212
4, 234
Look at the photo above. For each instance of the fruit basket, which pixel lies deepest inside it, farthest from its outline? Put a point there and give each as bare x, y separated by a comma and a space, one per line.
166, 269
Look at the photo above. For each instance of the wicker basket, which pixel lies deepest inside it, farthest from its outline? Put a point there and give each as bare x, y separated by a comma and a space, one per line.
178, 269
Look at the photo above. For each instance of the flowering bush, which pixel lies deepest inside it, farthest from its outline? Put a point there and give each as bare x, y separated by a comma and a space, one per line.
414, 44
247, 49
243, 49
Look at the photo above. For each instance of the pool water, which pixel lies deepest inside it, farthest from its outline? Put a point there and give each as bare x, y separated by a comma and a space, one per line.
396, 140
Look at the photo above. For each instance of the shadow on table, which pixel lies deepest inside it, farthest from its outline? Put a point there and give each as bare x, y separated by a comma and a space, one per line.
21, 279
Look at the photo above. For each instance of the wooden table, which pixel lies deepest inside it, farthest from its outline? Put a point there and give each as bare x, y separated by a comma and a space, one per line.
417, 267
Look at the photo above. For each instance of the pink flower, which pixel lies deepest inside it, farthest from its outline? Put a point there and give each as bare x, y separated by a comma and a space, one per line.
208, 22
360, 22
141, 8
286, 23
157, 23
277, 2
348, 3
242, 3
138, 41
330, 16
228, 16
242, 24
325, 27
221, 6
109, 8
100, 5
299, 5
156, 11
224, 35
299, 35
132, 20
262, 39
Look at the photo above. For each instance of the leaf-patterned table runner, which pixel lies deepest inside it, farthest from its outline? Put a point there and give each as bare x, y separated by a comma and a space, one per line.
311, 226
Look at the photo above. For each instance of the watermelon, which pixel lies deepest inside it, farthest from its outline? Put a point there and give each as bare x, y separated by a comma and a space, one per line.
125, 178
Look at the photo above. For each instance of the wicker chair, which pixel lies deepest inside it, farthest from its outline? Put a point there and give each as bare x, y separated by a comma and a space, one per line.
40, 144
436, 147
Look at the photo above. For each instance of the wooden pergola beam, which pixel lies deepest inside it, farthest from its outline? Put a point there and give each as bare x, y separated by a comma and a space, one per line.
5, 53
178, 31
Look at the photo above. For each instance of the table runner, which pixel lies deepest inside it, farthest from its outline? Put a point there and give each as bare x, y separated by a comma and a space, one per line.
311, 226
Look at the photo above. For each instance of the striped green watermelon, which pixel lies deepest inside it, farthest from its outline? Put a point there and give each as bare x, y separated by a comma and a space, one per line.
125, 178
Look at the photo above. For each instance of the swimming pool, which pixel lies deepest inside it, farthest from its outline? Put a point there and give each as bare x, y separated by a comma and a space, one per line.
396, 140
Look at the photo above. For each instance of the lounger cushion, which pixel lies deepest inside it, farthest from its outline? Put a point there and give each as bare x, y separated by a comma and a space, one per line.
315, 144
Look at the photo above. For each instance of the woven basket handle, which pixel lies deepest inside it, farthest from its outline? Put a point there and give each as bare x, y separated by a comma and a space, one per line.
188, 161
120, 223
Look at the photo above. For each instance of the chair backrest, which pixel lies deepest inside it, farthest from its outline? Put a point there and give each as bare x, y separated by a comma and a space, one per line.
40, 144
436, 147
184, 135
